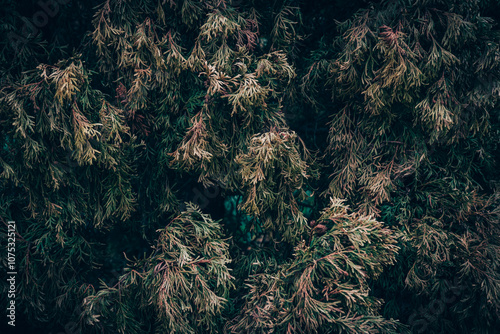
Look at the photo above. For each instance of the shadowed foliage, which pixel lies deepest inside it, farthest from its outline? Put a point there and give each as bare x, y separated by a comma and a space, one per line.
227, 166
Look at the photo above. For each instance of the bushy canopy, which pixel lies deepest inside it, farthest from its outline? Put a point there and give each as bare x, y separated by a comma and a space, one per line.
228, 166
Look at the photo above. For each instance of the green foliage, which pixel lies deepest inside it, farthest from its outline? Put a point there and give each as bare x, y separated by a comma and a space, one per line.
414, 141
184, 283
272, 172
339, 160
324, 287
